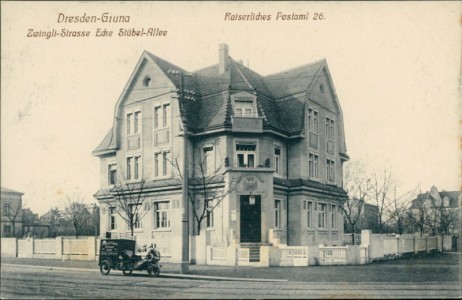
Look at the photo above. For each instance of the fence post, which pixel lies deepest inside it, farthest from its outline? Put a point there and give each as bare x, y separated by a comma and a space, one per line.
397, 245
426, 244
32, 247
59, 247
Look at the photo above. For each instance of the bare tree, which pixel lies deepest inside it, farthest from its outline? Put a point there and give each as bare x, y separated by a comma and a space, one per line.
129, 201
13, 213
382, 185
448, 219
396, 208
205, 190
77, 214
418, 215
357, 185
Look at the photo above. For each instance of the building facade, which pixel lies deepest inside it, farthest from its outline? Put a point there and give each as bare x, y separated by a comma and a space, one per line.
264, 156
11, 216
435, 212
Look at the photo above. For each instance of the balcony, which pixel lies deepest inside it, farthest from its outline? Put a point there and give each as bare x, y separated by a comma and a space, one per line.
247, 124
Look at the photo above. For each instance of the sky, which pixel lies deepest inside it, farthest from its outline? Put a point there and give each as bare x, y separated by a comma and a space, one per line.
395, 67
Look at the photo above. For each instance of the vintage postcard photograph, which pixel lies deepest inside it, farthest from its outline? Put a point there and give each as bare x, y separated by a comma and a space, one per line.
211, 149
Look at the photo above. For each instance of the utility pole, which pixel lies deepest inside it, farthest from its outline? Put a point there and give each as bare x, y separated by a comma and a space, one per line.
185, 171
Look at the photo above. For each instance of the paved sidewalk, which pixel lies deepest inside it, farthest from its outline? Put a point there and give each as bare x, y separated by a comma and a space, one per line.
440, 267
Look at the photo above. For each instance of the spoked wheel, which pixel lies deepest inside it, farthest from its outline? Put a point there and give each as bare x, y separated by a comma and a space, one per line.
127, 272
105, 267
153, 271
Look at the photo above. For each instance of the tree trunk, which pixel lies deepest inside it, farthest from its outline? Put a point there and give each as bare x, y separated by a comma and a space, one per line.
198, 228
353, 229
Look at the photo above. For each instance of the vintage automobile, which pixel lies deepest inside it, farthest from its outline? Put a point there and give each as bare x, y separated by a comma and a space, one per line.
120, 254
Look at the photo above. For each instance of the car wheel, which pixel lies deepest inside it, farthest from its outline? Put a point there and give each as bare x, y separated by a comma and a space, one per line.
153, 271
127, 272
149, 257
105, 267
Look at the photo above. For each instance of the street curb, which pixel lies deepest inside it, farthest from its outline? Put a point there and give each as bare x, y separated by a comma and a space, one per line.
219, 278
170, 275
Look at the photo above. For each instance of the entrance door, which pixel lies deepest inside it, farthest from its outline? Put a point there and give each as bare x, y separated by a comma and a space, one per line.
250, 220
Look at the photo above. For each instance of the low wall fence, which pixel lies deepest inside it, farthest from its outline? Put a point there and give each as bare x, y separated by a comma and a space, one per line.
219, 253
46, 246
386, 246
293, 256
333, 255
343, 255
58, 248
243, 254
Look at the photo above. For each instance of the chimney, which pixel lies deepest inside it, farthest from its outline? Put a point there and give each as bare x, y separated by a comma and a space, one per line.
223, 59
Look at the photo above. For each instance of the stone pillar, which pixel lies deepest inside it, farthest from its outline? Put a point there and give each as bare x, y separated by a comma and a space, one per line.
366, 237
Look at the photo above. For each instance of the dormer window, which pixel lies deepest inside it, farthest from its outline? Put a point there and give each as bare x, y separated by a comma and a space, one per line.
244, 105
243, 108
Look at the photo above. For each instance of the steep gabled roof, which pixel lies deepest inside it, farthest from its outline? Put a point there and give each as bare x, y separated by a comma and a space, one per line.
280, 110
107, 144
293, 81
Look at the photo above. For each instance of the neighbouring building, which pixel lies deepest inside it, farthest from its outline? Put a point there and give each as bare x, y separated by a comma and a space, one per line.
11, 215
269, 150
435, 212
368, 219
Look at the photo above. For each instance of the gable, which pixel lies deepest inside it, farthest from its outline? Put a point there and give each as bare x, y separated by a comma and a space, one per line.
321, 91
147, 81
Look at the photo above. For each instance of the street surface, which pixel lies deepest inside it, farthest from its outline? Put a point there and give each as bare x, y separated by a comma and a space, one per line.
29, 281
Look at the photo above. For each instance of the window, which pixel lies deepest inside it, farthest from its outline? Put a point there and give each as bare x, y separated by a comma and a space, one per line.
6, 209
210, 209
162, 163
156, 164
112, 174
136, 120
313, 120
243, 108
134, 209
313, 165
321, 88
137, 167
309, 214
156, 117
322, 215
165, 114
277, 213
161, 211
134, 167
334, 217
129, 123
246, 153
147, 81
165, 161
330, 170
208, 162
112, 218
277, 160
330, 126
133, 122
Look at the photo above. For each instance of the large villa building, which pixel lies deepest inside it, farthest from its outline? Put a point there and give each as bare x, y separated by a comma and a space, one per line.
265, 157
